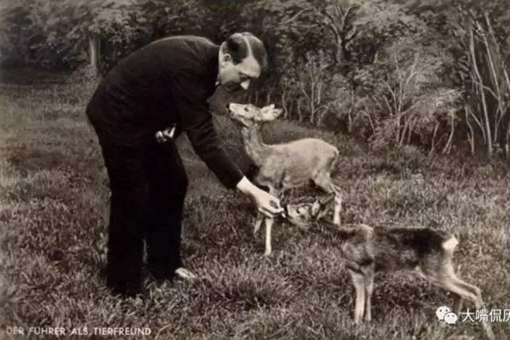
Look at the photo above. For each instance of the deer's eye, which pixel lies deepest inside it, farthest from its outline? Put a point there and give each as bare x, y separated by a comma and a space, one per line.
245, 109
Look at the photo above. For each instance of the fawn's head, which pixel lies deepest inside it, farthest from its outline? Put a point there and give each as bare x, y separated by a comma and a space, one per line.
302, 214
248, 114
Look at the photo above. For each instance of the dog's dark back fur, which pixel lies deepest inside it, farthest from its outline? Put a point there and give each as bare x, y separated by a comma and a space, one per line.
406, 248
387, 247
367, 249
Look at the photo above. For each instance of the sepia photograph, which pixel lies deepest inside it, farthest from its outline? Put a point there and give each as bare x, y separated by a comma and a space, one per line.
255, 169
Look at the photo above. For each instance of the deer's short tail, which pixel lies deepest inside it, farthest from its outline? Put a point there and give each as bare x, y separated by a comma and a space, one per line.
450, 244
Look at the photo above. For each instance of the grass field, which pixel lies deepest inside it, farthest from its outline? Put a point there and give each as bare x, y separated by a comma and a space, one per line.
53, 193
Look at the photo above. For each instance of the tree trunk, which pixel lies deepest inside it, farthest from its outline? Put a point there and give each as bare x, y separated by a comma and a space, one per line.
95, 53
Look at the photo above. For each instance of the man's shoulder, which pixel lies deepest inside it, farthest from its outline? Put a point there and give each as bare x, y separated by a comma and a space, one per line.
191, 55
187, 51
185, 41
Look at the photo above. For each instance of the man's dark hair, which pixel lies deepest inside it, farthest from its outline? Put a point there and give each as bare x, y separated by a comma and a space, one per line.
237, 47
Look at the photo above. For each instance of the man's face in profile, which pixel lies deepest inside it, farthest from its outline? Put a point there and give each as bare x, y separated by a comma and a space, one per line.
236, 76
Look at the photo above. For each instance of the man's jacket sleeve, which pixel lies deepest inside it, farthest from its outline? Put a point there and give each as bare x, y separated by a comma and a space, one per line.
196, 121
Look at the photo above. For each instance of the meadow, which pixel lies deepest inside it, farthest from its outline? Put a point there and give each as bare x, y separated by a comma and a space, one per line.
53, 194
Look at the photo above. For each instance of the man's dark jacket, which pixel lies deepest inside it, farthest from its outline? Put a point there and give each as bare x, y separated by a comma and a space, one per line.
163, 83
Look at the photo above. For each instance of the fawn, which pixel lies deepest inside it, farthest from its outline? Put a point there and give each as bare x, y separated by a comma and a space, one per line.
288, 165
367, 250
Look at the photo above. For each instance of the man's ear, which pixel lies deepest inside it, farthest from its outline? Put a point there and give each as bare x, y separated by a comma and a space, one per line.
227, 58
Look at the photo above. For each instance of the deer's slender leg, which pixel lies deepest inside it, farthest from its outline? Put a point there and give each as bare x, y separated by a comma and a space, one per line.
450, 284
359, 283
369, 289
475, 291
449, 281
468, 292
338, 206
269, 225
457, 304
257, 224
450, 273
324, 182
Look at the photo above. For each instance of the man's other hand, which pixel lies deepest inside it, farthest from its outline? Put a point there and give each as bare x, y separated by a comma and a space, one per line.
165, 135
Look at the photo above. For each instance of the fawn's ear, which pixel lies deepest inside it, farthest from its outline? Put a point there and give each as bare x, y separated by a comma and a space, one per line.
321, 207
266, 109
277, 112
316, 210
323, 211
269, 113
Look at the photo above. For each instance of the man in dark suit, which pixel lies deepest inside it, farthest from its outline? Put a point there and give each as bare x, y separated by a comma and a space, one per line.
163, 84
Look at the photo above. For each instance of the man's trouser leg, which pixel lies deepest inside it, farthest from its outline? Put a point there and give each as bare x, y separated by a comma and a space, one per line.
168, 190
129, 215
130, 196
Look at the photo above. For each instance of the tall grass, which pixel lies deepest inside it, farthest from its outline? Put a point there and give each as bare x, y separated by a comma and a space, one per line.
53, 191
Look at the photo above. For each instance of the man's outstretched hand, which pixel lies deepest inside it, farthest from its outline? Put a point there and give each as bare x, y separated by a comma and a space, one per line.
266, 203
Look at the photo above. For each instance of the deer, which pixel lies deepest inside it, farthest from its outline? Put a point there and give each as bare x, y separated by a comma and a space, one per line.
368, 250
284, 166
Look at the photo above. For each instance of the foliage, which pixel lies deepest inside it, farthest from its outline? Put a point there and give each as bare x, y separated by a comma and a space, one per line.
364, 67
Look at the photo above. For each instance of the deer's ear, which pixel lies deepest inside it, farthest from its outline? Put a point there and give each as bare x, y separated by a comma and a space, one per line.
270, 115
315, 209
321, 206
268, 108
277, 113
323, 211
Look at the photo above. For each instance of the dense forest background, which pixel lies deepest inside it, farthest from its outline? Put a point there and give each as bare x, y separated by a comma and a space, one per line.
432, 73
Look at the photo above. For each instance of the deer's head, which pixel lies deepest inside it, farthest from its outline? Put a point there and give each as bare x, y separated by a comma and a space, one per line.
248, 114
303, 214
